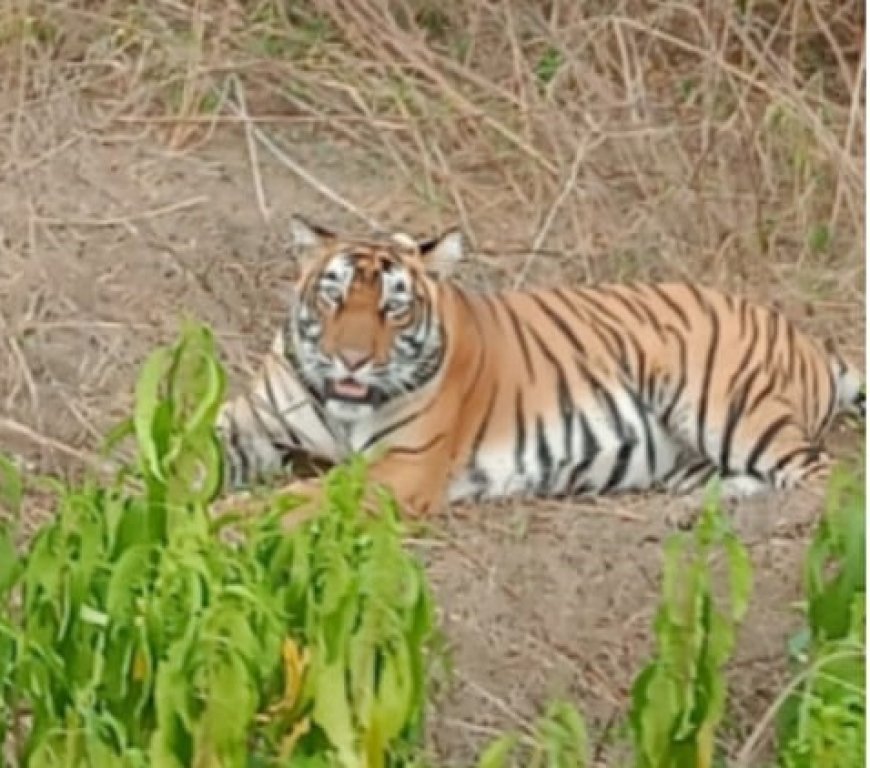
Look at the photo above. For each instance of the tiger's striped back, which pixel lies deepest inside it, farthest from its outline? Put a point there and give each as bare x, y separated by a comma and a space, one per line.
625, 386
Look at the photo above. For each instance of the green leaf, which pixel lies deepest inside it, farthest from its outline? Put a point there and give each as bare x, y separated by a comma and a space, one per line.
221, 730
819, 238
11, 485
117, 434
129, 575
332, 712
10, 564
101, 754
497, 754
562, 733
195, 475
147, 409
739, 576
172, 736
392, 705
548, 65
209, 396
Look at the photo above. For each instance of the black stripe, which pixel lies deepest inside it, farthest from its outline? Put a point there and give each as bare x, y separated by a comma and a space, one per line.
520, 426
292, 363
685, 477
491, 306
238, 475
742, 326
807, 395
257, 417
559, 323
417, 449
626, 436
811, 454
696, 294
481, 346
390, 428
707, 379
428, 367
620, 466
612, 293
481, 430
481, 357
641, 372
649, 389
595, 325
419, 325
644, 307
671, 304
638, 309
832, 401
772, 335
512, 315
679, 467
544, 456
789, 347
814, 384
619, 335
736, 409
764, 441
466, 301
681, 384
643, 414
703, 475
590, 298
567, 406
591, 449
763, 393
750, 350
273, 404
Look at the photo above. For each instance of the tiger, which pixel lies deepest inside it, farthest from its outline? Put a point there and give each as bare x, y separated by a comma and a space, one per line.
453, 395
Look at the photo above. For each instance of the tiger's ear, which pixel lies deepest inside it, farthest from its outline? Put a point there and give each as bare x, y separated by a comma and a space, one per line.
305, 235
441, 254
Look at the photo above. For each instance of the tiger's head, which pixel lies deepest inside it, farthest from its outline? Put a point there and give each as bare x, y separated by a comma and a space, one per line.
366, 325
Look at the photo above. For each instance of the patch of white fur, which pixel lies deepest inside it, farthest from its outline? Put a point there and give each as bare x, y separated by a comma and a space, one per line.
849, 385
742, 487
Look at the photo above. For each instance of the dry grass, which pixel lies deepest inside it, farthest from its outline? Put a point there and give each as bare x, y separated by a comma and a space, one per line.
571, 140
697, 137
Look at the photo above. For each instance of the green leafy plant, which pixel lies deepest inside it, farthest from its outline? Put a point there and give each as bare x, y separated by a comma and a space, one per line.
822, 722
678, 700
548, 65
136, 629
559, 740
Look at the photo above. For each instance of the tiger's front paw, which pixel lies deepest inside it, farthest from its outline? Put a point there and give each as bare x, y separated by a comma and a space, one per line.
309, 496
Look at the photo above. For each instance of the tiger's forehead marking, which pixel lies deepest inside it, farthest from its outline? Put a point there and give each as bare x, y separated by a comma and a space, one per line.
369, 268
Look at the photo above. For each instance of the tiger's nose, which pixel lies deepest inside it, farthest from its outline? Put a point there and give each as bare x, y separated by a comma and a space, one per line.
353, 359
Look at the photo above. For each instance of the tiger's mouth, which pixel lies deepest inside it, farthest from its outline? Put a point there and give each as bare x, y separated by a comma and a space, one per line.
348, 389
